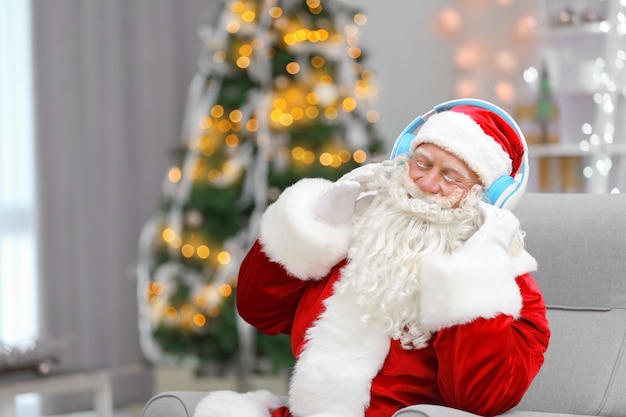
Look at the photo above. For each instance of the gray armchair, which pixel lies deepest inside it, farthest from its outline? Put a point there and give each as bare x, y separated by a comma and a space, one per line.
579, 241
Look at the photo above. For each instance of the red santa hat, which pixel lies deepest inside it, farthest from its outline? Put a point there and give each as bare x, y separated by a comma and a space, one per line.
487, 143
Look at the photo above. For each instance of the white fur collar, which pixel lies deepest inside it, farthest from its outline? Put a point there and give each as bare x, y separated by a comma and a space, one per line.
341, 357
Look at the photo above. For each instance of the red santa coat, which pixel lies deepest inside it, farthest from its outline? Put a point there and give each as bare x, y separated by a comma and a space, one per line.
489, 334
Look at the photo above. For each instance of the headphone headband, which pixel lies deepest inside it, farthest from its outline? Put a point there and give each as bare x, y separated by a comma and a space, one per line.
506, 190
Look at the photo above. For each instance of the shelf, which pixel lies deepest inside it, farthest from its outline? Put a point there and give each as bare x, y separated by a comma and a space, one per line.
564, 150
573, 30
576, 57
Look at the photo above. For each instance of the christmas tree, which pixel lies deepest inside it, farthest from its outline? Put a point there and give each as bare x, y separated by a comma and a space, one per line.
281, 93
545, 105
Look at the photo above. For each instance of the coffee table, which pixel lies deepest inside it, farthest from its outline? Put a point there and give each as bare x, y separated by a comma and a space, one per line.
64, 381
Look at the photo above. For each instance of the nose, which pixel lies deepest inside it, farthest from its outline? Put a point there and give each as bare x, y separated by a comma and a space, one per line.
429, 182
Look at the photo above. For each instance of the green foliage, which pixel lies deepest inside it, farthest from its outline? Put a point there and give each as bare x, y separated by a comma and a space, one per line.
217, 342
277, 348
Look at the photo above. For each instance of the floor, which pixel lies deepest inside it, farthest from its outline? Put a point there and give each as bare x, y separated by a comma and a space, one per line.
28, 406
92, 414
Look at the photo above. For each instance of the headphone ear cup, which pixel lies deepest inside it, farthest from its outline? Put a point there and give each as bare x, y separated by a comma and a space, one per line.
500, 191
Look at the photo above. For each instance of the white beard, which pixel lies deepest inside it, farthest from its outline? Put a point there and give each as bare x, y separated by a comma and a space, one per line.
389, 239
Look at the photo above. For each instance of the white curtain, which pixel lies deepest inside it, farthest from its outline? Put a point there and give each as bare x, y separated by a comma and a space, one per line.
111, 80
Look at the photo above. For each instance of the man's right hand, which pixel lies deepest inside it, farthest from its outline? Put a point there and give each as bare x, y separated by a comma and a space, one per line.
336, 205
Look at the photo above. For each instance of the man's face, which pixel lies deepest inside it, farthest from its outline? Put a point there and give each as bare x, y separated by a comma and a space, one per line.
438, 172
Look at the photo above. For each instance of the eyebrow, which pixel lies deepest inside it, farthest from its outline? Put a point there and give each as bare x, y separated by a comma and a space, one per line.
459, 170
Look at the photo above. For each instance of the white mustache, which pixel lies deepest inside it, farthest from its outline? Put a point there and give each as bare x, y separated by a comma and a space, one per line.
443, 202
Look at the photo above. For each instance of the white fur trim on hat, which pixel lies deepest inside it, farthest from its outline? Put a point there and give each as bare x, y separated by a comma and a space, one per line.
460, 135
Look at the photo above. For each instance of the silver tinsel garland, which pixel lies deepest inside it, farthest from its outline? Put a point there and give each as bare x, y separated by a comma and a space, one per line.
38, 356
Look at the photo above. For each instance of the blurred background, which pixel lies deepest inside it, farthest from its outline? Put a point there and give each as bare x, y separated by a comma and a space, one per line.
140, 141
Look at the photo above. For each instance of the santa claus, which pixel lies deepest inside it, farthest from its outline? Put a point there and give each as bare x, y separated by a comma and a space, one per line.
398, 283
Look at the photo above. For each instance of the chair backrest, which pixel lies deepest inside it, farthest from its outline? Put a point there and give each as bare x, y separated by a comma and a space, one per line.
579, 241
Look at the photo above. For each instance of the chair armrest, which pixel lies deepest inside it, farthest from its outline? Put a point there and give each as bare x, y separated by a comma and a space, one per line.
173, 404
427, 410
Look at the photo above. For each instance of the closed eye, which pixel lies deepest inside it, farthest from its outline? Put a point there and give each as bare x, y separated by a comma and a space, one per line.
422, 164
449, 178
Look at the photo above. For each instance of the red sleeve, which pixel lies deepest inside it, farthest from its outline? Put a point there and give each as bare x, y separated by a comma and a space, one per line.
486, 366
267, 296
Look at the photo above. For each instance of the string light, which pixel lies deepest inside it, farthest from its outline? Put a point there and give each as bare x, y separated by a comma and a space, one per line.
306, 35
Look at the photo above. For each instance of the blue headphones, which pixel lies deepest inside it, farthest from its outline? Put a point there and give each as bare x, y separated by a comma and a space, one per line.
505, 191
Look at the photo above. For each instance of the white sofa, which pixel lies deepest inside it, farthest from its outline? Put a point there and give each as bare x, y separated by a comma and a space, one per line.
579, 241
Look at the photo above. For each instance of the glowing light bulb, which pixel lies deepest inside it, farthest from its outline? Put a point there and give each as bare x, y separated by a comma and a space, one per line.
168, 235
349, 104
170, 312
360, 19
237, 7
317, 62
252, 125
203, 251
174, 175
223, 258
359, 156
308, 158
449, 21
225, 290
467, 57
243, 62
326, 159
354, 52
217, 111
231, 140
199, 320
275, 12
187, 250
293, 68
372, 116
248, 16
297, 153
232, 27
505, 92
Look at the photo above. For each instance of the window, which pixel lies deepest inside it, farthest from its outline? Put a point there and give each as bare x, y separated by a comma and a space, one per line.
18, 288
18, 257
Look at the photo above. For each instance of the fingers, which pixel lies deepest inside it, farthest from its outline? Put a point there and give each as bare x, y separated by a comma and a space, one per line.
362, 174
498, 225
336, 206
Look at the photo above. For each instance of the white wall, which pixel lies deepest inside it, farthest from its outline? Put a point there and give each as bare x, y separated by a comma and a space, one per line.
414, 65
413, 69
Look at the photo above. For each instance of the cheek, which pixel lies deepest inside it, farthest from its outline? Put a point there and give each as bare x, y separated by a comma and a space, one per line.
413, 172
449, 189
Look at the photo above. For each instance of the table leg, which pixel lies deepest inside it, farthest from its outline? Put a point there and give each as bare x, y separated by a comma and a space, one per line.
103, 397
7, 405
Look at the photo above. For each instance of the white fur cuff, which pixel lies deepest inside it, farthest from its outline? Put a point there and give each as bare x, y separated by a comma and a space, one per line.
235, 404
291, 236
459, 288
